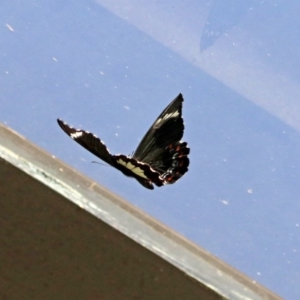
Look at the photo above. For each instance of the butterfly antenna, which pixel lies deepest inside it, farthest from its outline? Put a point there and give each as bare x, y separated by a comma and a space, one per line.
99, 163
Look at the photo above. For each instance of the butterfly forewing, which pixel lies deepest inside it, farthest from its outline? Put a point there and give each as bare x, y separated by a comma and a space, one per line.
158, 145
89, 141
167, 129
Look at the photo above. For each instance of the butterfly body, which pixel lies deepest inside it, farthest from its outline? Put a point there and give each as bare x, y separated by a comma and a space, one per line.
161, 157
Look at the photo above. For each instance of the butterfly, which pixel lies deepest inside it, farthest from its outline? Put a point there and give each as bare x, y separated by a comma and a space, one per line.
161, 157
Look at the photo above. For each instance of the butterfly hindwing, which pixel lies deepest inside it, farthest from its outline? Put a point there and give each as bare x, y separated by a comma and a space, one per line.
177, 162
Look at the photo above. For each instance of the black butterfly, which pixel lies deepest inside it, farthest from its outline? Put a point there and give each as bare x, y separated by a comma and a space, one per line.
160, 158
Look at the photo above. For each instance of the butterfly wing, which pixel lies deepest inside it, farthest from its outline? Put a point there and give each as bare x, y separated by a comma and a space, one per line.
89, 141
142, 172
161, 147
167, 129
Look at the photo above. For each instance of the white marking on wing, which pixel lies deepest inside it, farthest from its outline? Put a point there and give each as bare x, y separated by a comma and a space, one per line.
168, 116
76, 134
135, 169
